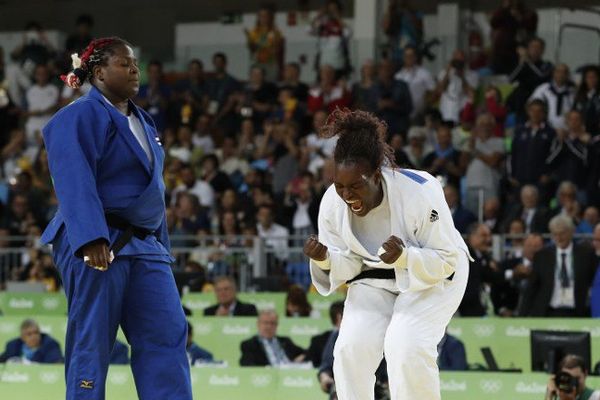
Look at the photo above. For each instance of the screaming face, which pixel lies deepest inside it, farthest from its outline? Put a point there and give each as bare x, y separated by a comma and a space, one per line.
358, 186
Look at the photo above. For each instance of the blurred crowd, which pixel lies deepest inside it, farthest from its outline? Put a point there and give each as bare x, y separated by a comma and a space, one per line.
244, 157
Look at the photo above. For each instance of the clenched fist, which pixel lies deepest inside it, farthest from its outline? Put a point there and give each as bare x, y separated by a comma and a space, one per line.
315, 249
393, 247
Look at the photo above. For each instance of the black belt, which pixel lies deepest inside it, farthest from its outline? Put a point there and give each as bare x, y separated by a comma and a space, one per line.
128, 232
374, 274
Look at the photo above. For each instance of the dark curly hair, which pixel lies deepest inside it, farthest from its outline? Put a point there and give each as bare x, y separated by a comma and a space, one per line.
361, 136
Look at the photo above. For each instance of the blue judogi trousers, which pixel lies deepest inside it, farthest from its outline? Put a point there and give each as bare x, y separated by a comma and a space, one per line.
140, 295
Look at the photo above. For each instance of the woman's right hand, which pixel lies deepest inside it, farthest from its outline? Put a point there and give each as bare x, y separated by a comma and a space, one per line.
314, 249
97, 255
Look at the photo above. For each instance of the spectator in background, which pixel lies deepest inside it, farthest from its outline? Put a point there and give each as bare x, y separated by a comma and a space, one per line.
35, 49
595, 292
198, 187
296, 303
301, 206
275, 236
451, 354
575, 367
493, 105
462, 217
445, 161
227, 301
190, 219
329, 94
291, 80
456, 84
285, 157
190, 96
587, 98
492, 214
562, 275
154, 95
333, 37
394, 104
219, 87
531, 72
315, 351
363, 92
231, 163
196, 354
42, 102
558, 94
183, 147
202, 135
530, 150
569, 153
512, 25
417, 147
483, 173
265, 43
78, 41
268, 349
529, 210
33, 346
319, 149
212, 174
566, 201
591, 217
404, 27
336, 312
593, 183
20, 218
419, 80
258, 97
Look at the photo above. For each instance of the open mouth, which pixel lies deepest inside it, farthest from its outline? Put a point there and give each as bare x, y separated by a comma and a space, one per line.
356, 206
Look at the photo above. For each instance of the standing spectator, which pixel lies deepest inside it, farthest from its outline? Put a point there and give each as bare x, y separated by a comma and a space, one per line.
483, 173
512, 25
268, 349
462, 217
154, 95
363, 93
394, 104
530, 150
265, 43
291, 80
531, 72
404, 27
529, 210
219, 87
419, 80
33, 345
445, 160
42, 101
569, 153
587, 98
329, 94
275, 237
227, 301
333, 36
456, 84
78, 41
558, 94
562, 275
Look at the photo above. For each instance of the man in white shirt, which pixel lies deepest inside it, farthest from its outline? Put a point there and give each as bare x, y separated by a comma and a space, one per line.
275, 235
197, 187
42, 102
419, 80
559, 96
455, 85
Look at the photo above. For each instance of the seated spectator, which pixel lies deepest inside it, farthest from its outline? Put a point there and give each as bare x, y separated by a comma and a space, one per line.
268, 349
301, 206
198, 187
483, 173
591, 217
419, 80
275, 237
417, 148
266, 43
202, 135
315, 350
492, 214
587, 99
574, 366
154, 95
445, 160
227, 302
329, 94
119, 354
19, 218
32, 346
530, 149
363, 92
220, 87
558, 94
534, 215
285, 155
507, 294
531, 72
183, 148
319, 149
451, 354
567, 203
42, 102
456, 85
296, 303
257, 99
493, 105
561, 277
291, 80
211, 173
288, 108
569, 153
196, 354
191, 219
231, 163
595, 293
393, 101
462, 217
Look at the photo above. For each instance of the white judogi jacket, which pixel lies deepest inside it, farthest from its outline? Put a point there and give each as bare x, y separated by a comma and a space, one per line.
419, 216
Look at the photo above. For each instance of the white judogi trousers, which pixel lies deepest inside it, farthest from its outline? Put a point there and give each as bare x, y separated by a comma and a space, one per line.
406, 327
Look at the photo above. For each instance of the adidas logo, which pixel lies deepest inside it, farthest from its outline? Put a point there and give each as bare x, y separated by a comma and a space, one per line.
434, 216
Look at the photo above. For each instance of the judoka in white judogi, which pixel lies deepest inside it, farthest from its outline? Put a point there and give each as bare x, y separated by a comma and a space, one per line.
405, 317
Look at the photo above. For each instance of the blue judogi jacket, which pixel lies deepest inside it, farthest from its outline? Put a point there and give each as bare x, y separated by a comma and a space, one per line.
98, 166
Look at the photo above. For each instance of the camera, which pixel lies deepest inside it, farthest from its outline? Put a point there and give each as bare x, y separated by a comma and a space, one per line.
565, 382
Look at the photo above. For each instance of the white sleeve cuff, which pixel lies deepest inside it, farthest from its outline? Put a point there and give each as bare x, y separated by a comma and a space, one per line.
325, 265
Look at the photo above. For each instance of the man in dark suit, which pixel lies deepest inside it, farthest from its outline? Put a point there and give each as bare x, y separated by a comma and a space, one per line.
33, 345
461, 216
534, 216
227, 303
562, 275
267, 348
314, 353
